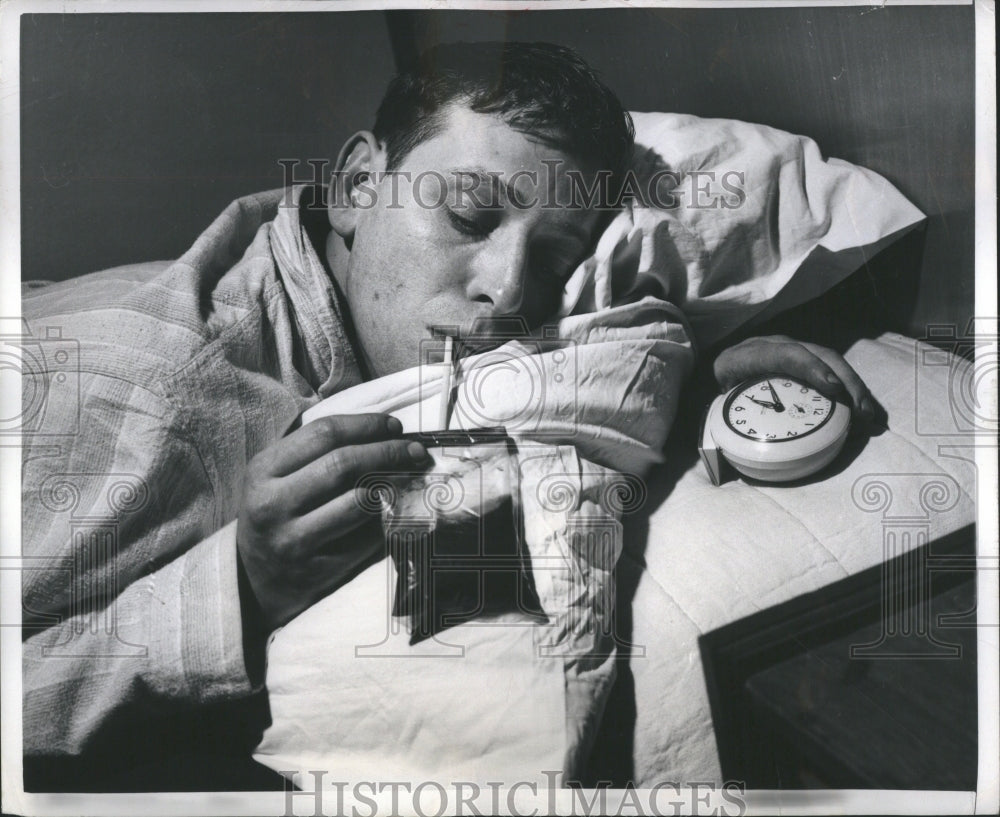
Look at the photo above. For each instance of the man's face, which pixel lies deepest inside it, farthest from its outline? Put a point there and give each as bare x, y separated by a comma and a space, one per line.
455, 240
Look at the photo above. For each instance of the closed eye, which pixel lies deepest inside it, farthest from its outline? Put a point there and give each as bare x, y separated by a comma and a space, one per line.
477, 227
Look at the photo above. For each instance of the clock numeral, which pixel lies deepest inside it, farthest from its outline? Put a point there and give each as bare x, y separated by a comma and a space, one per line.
752, 431
818, 411
771, 436
741, 422
737, 408
787, 384
804, 390
792, 434
817, 397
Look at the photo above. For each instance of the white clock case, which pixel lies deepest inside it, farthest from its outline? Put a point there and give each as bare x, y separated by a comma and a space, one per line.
776, 461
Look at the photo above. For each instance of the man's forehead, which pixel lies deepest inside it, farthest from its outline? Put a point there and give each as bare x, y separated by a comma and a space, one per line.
482, 157
484, 145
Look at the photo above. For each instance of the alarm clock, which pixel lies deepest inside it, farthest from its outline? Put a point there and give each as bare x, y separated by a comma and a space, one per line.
772, 428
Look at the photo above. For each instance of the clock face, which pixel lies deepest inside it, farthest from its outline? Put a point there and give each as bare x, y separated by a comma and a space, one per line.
776, 409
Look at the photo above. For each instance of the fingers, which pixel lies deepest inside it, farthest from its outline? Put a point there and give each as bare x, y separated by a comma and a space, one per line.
820, 367
861, 400
324, 435
342, 515
338, 471
749, 358
341, 538
799, 361
298, 506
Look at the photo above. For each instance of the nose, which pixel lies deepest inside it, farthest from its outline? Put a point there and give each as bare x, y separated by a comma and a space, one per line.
499, 273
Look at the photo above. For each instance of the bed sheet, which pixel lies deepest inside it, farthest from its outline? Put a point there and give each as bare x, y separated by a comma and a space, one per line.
705, 556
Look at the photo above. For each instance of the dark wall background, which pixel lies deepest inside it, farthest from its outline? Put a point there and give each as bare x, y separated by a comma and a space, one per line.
138, 129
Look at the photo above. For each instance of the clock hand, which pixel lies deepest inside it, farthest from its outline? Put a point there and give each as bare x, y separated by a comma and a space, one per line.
763, 403
778, 405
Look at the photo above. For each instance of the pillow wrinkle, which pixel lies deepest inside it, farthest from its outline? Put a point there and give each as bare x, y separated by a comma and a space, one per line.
724, 255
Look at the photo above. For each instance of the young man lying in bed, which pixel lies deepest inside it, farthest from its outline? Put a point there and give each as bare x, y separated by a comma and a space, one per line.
227, 527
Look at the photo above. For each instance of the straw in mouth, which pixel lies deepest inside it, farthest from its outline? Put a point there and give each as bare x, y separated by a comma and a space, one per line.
447, 388
474, 343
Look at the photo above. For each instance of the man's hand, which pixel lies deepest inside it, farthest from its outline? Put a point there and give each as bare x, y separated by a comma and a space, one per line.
298, 510
822, 368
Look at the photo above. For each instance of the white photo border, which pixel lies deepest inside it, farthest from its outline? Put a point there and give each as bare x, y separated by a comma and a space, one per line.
985, 800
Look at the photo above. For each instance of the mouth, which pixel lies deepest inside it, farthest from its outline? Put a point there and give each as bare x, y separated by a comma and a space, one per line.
480, 335
466, 340
444, 331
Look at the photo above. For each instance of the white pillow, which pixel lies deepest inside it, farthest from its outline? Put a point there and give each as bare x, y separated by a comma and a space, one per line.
784, 224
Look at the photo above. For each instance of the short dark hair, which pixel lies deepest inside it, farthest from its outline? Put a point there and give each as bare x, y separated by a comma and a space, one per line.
541, 89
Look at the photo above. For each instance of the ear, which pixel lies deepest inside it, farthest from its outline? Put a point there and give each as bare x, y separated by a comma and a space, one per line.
352, 187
